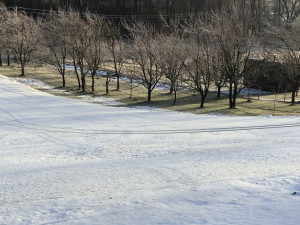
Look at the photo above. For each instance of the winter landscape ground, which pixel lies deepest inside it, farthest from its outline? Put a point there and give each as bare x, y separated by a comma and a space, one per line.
65, 161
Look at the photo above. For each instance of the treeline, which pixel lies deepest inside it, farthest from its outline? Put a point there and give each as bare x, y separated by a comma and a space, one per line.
260, 10
138, 7
204, 50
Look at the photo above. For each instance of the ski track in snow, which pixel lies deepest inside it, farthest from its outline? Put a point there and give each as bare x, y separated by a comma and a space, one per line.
58, 166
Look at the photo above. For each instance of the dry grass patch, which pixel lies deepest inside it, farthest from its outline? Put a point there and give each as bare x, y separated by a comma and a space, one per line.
186, 100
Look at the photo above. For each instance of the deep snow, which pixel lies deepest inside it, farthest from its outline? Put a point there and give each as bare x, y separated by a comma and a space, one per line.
64, 161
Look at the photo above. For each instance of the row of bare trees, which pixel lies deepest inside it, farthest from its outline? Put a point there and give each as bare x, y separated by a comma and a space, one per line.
210, 49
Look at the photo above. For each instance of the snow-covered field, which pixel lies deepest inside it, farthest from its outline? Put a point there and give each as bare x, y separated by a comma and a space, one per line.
65, 161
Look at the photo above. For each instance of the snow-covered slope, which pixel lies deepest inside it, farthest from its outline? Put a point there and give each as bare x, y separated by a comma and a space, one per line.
65, 161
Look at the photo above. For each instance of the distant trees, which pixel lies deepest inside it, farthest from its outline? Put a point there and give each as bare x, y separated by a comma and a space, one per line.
285, 43
210, 49
23, 36
3, 13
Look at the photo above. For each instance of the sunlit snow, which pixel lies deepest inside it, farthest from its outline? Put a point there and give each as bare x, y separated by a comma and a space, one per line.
65, 161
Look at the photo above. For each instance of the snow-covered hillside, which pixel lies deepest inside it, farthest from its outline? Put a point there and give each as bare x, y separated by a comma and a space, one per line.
65, 161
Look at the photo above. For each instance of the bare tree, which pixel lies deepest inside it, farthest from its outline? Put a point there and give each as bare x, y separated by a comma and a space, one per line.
24, 37
285, 11
96, 50
218, 75
145, 52
234, 40
116, 48
79, 42
259, 13
55, 32
199, 58
285, 49
3, 13
172, 50
169, 56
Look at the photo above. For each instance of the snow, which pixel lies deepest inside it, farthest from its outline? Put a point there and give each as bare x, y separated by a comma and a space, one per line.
159, 86
251, 91
65, 161
34, 83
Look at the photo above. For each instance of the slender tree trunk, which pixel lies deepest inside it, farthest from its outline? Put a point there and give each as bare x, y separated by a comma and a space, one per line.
172, 85
175, 96
149, 6
203, 97
135, 6
234, 96
8, 59
149, 94
294, 96
63, 72
83, 82
131, 86
76, 72
219, 92
93, 81
1, 59
118, 81
22, 70
230, 96
140, 6
110, 6
63, 80
202, 101
167, 7
106, 85
82, 76
117, 74
124, 6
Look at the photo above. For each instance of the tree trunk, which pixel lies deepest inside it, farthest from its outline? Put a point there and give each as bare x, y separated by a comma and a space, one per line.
167, 7
149, 94
149, 6
135, 6
175, 96
172, 85
93, 81
8, 59
219, 92
22, 70
83, 82
234, 96
63, 72
118, 82
76, 72
106, 86
63, 80
140, 6
124, 6
293, 96
203, 97
230, 96
202, 101
0, 59
110, 6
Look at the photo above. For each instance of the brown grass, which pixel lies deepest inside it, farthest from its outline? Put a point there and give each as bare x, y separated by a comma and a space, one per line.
186, 100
